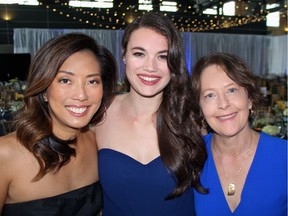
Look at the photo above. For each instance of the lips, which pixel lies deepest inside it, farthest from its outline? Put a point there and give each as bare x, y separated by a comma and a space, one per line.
77, 110
149, 80
226, 117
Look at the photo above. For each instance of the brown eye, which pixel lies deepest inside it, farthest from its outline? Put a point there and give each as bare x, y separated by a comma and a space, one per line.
94, 82
163, 57
64, 80
232, 90
138, 54
210, 95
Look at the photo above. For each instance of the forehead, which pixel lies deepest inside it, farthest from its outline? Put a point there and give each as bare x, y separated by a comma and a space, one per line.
81, 56
82, 63
145, 36
213, 75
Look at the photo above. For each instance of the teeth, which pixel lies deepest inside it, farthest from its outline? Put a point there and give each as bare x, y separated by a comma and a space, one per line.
149, 79
77, 110
226, 117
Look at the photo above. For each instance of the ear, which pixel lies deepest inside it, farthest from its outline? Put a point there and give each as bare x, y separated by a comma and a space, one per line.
123, 56
250, 104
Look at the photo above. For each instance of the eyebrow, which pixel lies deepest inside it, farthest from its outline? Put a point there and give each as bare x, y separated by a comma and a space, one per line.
142, 49
228, 85
72, 74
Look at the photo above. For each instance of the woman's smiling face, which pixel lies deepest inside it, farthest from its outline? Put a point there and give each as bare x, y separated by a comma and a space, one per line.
225, 104
146, 62
75, 94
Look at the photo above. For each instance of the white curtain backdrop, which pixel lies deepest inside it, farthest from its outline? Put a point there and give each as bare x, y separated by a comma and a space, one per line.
265, 54
279, 62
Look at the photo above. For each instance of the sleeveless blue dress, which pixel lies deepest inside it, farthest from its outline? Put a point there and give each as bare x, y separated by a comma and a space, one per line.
131, 188
85, 201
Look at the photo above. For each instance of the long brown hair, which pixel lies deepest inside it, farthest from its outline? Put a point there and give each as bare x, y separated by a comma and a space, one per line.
181, 147
33, 121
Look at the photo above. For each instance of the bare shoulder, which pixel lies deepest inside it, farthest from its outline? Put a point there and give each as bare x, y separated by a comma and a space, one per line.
10, 151
9, 148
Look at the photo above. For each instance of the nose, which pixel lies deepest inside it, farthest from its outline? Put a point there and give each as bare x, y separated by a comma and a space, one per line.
223, 102
79, 92
150, 65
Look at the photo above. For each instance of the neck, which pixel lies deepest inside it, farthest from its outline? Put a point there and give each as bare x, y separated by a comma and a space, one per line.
66, 135
233, 146
142, 106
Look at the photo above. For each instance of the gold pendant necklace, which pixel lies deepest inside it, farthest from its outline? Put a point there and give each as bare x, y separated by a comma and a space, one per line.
231, 186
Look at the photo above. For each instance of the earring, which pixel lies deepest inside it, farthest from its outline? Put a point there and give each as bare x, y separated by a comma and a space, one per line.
44, 98
204, 123
251, 114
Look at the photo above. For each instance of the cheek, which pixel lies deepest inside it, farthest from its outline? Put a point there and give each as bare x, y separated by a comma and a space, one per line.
243, 103
133, 63
168, 73
96, 95
57, 95
206, 110
163, 66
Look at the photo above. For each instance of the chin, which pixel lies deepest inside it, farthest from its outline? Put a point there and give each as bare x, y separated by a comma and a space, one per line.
79, 126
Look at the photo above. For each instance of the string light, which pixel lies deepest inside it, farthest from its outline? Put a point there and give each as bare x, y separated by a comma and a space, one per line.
185, 19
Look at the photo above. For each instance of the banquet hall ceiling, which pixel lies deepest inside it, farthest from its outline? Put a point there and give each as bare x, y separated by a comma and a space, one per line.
188, 17
249, 18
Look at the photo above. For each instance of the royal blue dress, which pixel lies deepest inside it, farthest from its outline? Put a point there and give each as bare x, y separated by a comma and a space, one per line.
133, 189
265, 190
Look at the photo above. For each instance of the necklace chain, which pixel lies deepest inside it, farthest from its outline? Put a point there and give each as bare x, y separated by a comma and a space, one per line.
232, 186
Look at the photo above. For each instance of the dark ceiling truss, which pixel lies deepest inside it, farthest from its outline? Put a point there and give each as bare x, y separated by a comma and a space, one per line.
189, 16
256, 5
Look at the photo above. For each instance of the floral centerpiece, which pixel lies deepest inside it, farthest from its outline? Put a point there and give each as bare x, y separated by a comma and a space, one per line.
272, 120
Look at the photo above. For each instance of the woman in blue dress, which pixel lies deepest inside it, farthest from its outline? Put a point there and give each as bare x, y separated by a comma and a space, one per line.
150, 155
49, 165
246, 171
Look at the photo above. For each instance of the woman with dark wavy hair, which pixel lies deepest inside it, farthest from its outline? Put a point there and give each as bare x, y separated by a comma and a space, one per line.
150, 155
49, 165
246, 171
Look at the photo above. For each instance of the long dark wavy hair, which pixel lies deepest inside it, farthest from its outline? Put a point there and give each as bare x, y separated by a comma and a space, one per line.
181, 146
235, 68
33, 121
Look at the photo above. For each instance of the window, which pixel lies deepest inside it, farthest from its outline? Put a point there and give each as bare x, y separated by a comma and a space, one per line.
168, 6
92, 4
228, 9
20, 2
145, 5
273, 19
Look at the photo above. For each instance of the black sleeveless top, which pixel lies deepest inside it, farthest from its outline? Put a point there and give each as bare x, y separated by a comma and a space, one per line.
85, 201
